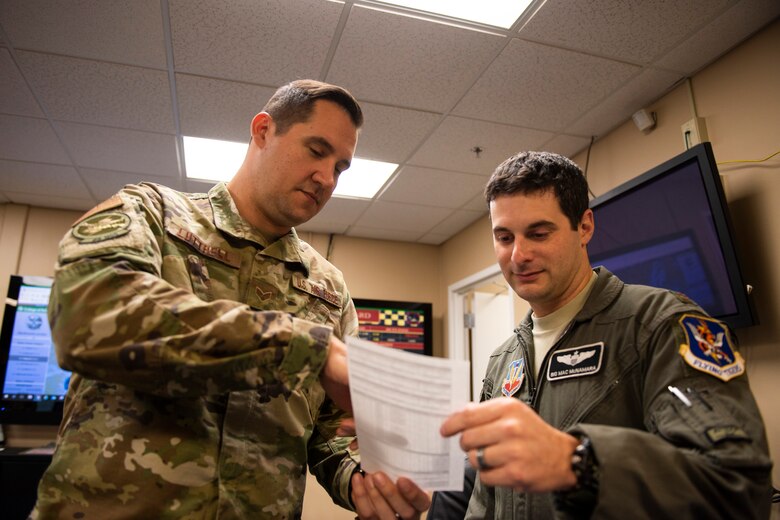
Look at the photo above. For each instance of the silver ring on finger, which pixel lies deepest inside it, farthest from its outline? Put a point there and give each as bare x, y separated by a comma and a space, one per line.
481, 464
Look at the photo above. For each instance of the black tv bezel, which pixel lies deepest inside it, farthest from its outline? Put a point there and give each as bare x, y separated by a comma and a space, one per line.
425, 307
702, 154
13, 411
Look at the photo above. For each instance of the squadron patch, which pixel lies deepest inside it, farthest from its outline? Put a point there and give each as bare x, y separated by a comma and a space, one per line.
709, 348
101, 226
575, 362
515, 375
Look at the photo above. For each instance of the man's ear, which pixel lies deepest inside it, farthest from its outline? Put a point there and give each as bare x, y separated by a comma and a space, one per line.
260, 127
587, 226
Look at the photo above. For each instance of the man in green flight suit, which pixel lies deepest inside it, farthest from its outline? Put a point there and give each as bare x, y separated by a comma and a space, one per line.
205, 340
610, 400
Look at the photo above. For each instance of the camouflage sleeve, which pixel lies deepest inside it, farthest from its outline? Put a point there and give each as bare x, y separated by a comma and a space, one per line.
330, 459
114, 319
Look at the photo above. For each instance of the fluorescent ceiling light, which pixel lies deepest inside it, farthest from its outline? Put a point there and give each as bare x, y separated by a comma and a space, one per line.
363, 178
498, 13
214, 160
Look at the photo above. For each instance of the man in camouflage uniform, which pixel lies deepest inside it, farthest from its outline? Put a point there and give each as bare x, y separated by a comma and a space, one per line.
610, 400
204, 339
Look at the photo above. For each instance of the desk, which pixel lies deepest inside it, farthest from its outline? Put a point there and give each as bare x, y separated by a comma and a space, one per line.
19, 476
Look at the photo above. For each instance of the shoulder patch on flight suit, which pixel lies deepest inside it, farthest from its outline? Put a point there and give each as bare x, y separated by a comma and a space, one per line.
583, 360
113, 202
709, 347
101, 226
515, 375
314, 289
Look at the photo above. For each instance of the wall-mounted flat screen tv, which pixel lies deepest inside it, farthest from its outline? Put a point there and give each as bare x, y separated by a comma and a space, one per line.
396, 324
33, 385
670, 228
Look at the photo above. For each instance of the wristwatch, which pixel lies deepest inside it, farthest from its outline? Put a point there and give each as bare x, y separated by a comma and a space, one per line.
580, 500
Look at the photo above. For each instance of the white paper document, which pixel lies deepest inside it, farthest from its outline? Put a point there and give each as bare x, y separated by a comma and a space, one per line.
399, 400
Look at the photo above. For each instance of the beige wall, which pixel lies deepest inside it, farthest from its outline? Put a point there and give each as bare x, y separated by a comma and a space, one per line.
738, 98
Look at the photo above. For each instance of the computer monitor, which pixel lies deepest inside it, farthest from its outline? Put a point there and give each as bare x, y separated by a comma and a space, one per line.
670, 227
33, 385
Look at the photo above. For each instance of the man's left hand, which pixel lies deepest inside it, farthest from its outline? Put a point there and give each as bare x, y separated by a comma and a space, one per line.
377, 498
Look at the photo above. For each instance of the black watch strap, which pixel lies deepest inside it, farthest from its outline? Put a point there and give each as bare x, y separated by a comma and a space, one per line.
580, 501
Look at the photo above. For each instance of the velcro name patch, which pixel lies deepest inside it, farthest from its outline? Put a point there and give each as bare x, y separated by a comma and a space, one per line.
576, 361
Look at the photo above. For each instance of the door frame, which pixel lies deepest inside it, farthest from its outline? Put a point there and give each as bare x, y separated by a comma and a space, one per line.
456, 294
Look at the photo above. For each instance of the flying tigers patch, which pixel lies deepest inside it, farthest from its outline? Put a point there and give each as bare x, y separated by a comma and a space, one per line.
709, 347
576, 361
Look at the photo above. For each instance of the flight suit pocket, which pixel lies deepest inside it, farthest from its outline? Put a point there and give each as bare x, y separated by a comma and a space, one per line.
703, 424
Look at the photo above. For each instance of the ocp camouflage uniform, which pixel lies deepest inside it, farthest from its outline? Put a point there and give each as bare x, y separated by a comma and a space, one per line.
196, 348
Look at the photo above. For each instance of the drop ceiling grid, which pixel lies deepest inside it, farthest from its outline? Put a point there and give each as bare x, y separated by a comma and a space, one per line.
107, 30
218, 109
429, 187
391, 134
28, 139
86, 91
541, 87
15, 97
451, 145
42, 179
117, 149
250, 41
635, 31
381, 55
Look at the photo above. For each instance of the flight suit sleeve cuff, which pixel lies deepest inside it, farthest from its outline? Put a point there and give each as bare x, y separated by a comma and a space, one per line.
307, 352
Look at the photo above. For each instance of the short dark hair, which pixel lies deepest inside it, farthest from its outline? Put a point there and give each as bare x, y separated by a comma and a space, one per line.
533, 172
293, 103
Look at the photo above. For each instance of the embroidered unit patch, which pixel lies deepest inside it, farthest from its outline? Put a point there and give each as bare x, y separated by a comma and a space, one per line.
514, 377
709, 348
575, 362
101, 226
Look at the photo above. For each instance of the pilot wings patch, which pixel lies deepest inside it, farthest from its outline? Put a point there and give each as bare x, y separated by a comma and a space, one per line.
575, 362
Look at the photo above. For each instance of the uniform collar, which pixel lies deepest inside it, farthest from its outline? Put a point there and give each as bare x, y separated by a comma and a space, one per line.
287, 248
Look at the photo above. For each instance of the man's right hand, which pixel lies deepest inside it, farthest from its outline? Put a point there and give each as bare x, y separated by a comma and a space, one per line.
334, 376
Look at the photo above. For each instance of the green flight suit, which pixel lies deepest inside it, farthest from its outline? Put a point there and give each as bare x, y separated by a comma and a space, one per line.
657, 456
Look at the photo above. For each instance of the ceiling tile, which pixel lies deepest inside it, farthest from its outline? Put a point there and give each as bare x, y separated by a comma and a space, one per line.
639, 92
50, 201
28, 139
636, 31
384, 234
477, 203
451, 146
730, 28
270, 42
121, 150
381, 54
566, 145
425, 186
433, 239
456, 222
391, 134
542, 87
109, 30
15, 96
218, 109
42, 179
101, 93
402, 217
340, 211
104, 183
